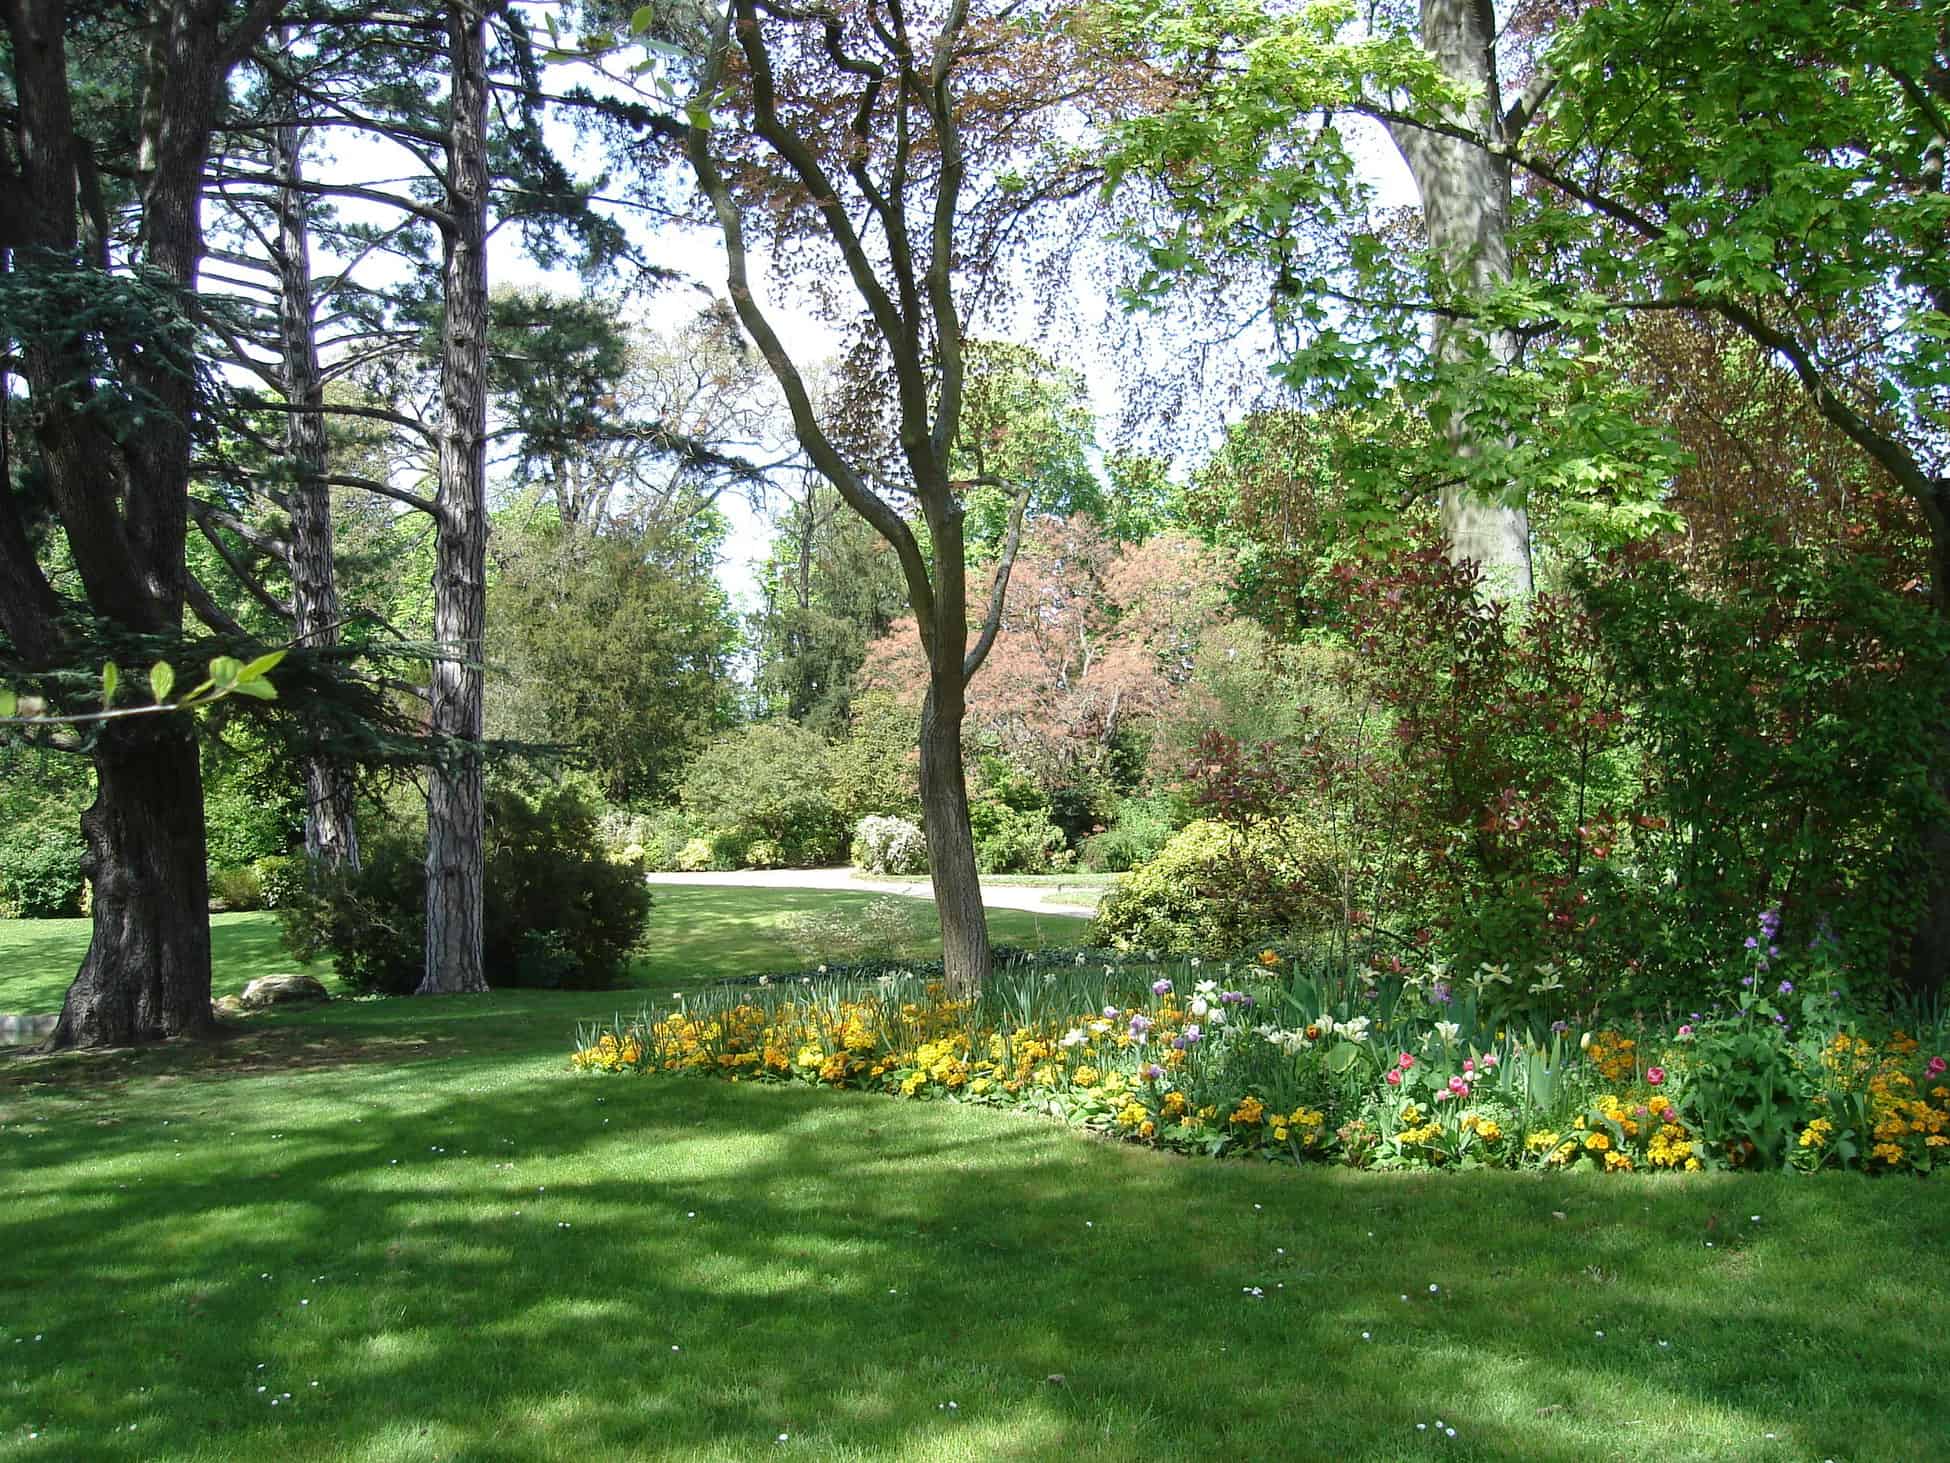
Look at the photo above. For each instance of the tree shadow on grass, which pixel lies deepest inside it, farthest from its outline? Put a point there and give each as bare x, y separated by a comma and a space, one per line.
480, 1261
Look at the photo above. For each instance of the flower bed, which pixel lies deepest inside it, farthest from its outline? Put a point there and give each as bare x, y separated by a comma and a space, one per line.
1395, 1072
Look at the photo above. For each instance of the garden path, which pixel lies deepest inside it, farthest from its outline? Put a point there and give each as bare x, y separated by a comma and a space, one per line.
1041, 899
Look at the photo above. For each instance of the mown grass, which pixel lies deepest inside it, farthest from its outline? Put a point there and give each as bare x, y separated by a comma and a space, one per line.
474, 1254
694, 936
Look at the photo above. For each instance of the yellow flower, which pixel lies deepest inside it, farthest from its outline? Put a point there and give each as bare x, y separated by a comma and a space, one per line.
1597, 1142
1249, 1111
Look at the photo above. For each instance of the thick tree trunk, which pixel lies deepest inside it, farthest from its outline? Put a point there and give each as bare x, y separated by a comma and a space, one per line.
951, 843
454, 797
1466, 213
122, 496
331, 832
147, 972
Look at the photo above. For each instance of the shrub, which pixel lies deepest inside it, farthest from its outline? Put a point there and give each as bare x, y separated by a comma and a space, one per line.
237, 889
40, 869
769, 781
660, 838
281, 878
1141, 829
695, 856
1214, 889
558, 913
889, 846
764, 853
1013, 840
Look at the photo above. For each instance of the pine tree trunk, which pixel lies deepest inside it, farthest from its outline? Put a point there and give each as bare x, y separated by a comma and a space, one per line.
147, 972
455, 821
1466, 213
951, 843
331, 832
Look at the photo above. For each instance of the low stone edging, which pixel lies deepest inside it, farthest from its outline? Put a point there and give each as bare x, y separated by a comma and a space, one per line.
24, 1030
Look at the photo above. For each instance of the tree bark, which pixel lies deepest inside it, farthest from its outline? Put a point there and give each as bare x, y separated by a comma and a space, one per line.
147, 972
951, 844
331, 832
455, 822
123, 498
1466, 214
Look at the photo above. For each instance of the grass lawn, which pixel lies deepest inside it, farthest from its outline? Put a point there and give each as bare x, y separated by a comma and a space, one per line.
695, 936
410, 1228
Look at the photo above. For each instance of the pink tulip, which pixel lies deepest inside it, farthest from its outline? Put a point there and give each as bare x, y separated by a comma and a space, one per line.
1655, 1075
1394, 1078
1404, 1061
1458, 1086
1468, 1065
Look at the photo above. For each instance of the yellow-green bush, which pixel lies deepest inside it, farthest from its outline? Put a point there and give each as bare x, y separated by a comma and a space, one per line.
1213, 889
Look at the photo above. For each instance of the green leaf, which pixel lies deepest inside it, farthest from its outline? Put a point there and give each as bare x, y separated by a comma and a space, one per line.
224, 671
162, 680
9, 701
256, 669
259, 690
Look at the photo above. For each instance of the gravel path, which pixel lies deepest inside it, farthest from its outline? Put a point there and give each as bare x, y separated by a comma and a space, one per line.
999, 896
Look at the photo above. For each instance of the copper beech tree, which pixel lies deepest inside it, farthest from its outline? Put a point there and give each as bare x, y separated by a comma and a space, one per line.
898, 158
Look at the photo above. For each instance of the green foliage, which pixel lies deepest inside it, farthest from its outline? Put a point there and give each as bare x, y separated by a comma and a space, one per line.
1215, 890
1139, 830
559, 913
1009, 815
765, 781
1792, 711
875, 766
831, 587
1026, 426
40, 871
41, 799
614, 647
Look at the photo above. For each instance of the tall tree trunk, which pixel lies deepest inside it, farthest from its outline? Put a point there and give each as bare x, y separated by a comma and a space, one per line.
123, 500
1466, 213
147, 971
455, 823
331, 832
951, 843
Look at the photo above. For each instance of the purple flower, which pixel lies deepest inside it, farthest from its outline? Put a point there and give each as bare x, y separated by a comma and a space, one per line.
1773, 952
1770, 922
1560, 1027
1151, 1072
1140, 1023
1439, 993
1193, 1034
1752, 943
1786, 987
1161, 987
1748, 980
1779, 1019
1178, 1043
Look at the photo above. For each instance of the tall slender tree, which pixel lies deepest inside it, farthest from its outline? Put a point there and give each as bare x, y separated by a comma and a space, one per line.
881, 136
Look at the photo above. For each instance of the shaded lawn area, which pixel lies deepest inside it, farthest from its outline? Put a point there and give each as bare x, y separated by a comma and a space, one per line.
39, 957
411, 1218
694, 936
